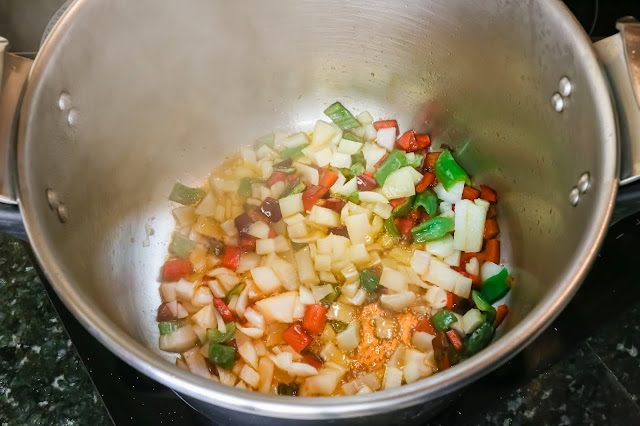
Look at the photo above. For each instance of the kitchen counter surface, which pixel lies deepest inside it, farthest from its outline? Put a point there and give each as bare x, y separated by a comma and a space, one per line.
43, 380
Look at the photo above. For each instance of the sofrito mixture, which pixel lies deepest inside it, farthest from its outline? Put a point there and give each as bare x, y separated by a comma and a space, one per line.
341, 261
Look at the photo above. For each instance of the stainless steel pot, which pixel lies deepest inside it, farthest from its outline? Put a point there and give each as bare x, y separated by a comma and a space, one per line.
126, 97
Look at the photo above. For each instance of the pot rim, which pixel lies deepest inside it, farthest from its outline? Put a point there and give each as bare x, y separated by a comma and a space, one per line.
149, 363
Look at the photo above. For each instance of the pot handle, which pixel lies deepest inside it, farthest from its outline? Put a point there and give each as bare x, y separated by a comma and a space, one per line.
620, 56
13, 75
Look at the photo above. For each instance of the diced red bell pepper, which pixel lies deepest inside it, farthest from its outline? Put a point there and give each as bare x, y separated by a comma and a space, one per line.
315, 317
327, 178
297, 338
404, 225
311, 195
247, 243
335, 204
366, 183
470, 193
450, 301
501, 313
312, 359
407, 141
424, 325
423, 141
432, 157
370, 174
398, 202
380, 161
231, 257
491, 229
492, 251
426, 180
384, 124
455, 340
223, 309
488, 193
174, 269
276, 177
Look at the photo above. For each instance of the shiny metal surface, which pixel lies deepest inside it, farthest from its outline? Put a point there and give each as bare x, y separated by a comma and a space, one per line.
187, 82
621, 61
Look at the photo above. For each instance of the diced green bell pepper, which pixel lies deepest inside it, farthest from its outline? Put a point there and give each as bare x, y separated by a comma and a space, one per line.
479, 339
393, 162
168, 327
287, 170
184, 195
354, 197
235, 291
369, 280
390, 226
443, 319
222, 355
215, 336
338, 326
413, 159
494, 288
404, 208
433, 229
351, 137
484, 306
427, 199
295, 187
181, 246
244, 189
357, 169
333, 296
448, 172
341, 116
293, 152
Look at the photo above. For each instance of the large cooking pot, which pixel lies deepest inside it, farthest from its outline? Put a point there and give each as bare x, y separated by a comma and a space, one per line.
126, 97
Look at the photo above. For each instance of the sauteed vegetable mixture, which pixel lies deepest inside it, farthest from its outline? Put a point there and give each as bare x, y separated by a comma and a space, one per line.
340, 261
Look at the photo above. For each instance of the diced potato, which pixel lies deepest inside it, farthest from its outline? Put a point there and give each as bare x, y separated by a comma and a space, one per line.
322, 133
259, 229
350, 273
358, 228
323, 262
279, 307
420, 261
392, 378
180, 340
471, 320
291, 205
249, 376
349, 147
298, 230
422, 341
394, 280
306, 272
349, 339
359, 255
265, 246
266, 280
364, 118
436, 297
324, 157
341, 312
399, 301
323, 216
286, 272
265, 369
442, 247
340, 160
383, 210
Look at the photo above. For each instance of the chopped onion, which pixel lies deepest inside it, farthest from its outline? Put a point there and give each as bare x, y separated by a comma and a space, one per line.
392, 377
321, 291
453, 195
340, 160
291, 205
306, 272
185, 290
266, 280
341, 312
453, 259
324, 157
196, 363
253, 332
265, 369
185, 215
323, 216
346, 189
399, 184
265, 246
457, 326
179, 340
283, 360
168, 292
259, 229
383, 210
306, 296
249, 376
372, 154
247, 261
298, 230
349, 339
423, 341
398, 302
393, 280
294, 140
364, 118
301, 369
340, 182
469, 226
281, 244
217, 289
309, 173
440, 274
372, 197
205, 317
322, 133
224, 185
327, 277
386, 138
442, 247
324, 383
349, 147
359, 298
222, 327
358, 228
358, 254
229, 228
226, 377
471, 320
436, 297
350, 289
277, 189
279, 307
286, 273
489, 269
415, 367
420, 261
298, 309
243, 301
323, 263
473, 266
247, 351
207, 206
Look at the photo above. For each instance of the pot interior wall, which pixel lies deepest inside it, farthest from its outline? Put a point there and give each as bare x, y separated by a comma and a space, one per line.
162, 91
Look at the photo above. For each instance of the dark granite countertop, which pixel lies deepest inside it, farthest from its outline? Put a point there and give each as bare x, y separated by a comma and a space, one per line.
43, 380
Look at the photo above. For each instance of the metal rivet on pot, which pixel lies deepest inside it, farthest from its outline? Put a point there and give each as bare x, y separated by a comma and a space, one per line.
52, 198
64, 102
557, 102
72, 117
63, 213
565, 86
574, 196
584, 182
